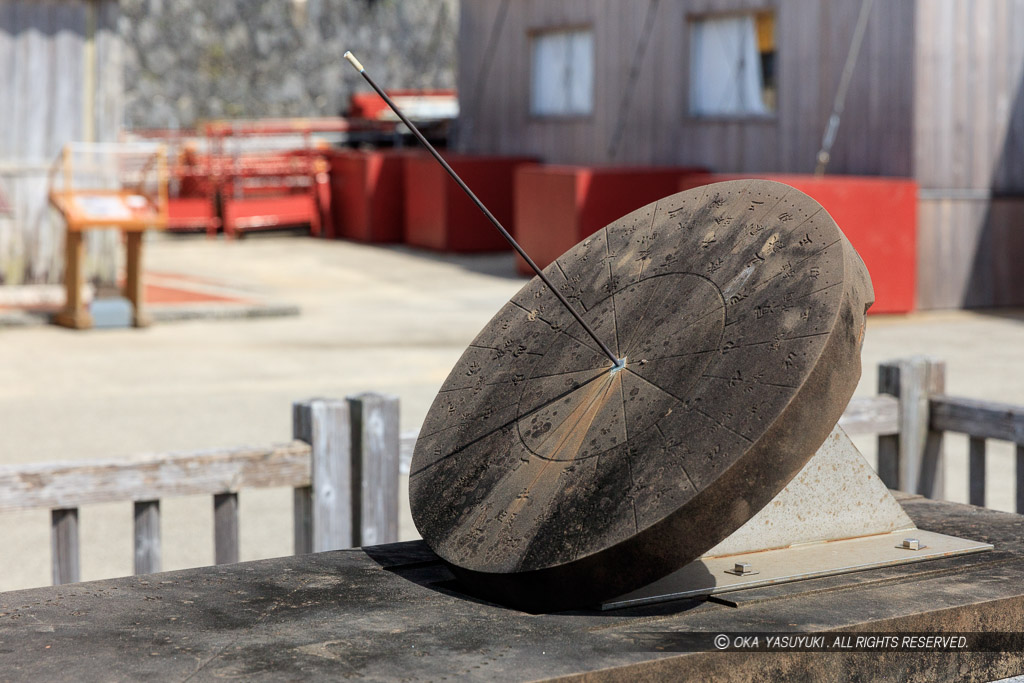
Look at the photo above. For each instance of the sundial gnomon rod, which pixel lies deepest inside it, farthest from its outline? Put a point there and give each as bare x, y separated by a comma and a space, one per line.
617, 362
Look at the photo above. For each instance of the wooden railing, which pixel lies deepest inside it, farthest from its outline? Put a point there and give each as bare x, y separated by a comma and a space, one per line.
981, 420
343, 466
911, 415
345, 462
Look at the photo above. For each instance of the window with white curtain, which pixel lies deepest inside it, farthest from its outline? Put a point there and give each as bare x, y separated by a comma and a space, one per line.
732, 65
562, 73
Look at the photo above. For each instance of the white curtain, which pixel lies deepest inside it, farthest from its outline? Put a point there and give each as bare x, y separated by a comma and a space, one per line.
725, 69
562, 76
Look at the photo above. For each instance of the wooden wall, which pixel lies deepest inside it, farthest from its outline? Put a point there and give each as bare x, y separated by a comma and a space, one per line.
969, 152
47, 98
812, 37
936, 95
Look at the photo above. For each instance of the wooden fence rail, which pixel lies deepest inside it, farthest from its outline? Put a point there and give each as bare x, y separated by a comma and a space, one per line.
343, 467
981, 420
345, 461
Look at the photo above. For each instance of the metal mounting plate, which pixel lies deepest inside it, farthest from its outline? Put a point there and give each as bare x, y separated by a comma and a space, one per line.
711, 575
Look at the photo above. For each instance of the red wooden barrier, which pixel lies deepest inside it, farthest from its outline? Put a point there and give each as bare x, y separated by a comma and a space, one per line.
557, 206
878, 216
439, 216
367, 194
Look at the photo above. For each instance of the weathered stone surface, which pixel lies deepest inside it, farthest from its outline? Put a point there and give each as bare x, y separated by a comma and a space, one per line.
548, 479
188, 60
393, 613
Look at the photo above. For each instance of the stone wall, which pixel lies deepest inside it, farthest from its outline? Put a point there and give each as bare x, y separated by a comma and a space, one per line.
189, 60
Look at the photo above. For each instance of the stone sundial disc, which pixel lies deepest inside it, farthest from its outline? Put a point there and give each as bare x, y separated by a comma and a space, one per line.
547, 480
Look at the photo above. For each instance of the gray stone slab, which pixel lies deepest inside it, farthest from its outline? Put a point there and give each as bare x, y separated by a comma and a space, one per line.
394, 613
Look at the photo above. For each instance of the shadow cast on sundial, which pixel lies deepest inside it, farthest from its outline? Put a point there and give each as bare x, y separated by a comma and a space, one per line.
598, 374
414, 562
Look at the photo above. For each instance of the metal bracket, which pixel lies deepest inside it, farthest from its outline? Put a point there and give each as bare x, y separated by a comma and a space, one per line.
713, 575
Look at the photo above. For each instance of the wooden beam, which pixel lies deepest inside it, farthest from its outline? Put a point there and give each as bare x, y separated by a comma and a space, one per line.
1020, 479
147, 537
872, 415
983, 419
406, 446
912, 461
74, 315
375, 468
225, 528
324, 425
133, 289
976, 471
70, 485
302, 503
64, 545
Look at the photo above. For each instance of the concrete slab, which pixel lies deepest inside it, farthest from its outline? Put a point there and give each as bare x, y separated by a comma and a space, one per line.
393, 613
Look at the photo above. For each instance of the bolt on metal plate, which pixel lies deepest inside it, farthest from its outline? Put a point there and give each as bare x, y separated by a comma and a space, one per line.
741, 569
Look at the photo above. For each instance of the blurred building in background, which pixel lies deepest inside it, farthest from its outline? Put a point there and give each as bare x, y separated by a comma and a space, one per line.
87, 70
748, 86
61, 80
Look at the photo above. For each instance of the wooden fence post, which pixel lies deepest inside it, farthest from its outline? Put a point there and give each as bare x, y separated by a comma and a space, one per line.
225, 528
375, 465
323, 512
912, 460
1020, 479
147, 536
64, 545
976, 471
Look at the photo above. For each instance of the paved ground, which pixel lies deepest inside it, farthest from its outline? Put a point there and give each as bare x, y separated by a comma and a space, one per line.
385, 319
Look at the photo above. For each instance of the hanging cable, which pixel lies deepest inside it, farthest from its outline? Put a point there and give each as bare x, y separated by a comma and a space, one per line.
485, 64
634, 73
825, 153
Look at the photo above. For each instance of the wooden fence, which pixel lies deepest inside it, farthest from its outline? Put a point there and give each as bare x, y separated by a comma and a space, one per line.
343, 466
910, 416
345, 462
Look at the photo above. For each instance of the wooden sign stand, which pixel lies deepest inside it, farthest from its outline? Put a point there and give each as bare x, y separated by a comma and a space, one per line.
131, 209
